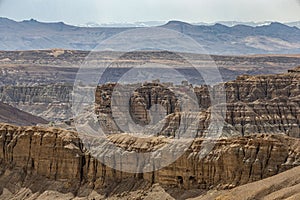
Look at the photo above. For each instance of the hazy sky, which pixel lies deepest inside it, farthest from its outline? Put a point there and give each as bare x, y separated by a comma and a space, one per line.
104, 11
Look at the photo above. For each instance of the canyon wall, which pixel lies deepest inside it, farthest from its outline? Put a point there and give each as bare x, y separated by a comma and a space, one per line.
255, 104
51, 102
60, 155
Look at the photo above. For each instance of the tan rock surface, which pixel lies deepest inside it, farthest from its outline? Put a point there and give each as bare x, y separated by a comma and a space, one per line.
58, 155
255, 104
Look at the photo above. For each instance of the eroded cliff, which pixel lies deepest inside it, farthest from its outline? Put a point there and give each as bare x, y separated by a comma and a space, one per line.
60, 155
255, 104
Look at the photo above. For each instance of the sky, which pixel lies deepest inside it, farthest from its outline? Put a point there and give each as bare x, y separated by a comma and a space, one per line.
119, 11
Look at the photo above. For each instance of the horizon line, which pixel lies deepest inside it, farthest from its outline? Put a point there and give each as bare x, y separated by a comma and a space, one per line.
158, 23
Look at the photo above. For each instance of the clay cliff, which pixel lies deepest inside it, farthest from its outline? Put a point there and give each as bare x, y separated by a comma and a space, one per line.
59, 155
255, 104
51, 102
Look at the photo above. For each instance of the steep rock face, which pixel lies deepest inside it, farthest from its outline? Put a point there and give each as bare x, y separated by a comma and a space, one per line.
265, 103
255, 104
49, 101
139, 101
250, 88
237, 161
59, 155
52, 153
36, 94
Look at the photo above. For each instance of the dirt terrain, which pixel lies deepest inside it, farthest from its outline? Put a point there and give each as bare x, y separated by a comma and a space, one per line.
61, 66
9, 114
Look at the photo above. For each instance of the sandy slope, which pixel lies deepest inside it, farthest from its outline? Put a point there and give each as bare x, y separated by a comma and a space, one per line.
9, 114
282, 186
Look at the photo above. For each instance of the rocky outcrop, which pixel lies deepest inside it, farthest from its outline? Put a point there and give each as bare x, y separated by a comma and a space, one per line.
52, 102
59, 155
255, 104
265, 103
36, 94
51, 152
140, 101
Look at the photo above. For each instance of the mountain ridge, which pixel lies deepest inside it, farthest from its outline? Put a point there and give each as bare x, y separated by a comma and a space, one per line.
276, 38
158, 23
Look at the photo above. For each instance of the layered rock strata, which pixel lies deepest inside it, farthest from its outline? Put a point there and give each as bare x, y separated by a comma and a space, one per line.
60, 155
255, 104
52, 102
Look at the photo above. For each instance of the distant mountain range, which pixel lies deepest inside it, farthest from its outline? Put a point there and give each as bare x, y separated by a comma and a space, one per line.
274, 37
124, 24
253, 24
160, 23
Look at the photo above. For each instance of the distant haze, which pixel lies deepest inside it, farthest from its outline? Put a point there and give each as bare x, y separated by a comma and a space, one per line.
275, 38
99, 11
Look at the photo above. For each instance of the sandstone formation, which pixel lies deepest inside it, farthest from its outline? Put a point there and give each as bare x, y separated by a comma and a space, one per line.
51, 102
255, 104
271, 102
59, 155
